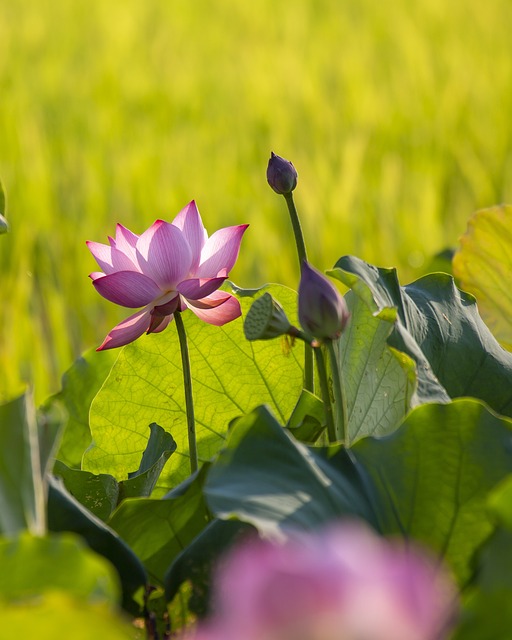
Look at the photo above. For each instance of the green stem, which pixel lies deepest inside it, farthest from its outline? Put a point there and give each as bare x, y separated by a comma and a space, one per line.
297, 229
324, 386
301, 252
187, 383
339, 396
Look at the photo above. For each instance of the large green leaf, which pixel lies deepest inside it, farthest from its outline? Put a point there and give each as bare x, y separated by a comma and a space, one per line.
432, 478
158, 530
378, 381
22, 490
487, 612
483, 265
65, 513
33, 565
58, 615
266, 478
230, 377
101, 493
440, 328
79, 386
429, 480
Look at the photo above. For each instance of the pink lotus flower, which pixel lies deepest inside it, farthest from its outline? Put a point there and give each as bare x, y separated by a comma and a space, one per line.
170, 267
344, 583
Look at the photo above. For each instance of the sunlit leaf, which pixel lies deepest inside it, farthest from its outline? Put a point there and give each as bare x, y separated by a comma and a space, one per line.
56, 615
79, 386
58, 562
378, 381
230, 377
483, 265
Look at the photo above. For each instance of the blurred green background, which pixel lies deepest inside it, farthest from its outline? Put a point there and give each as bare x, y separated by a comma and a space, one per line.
396, 115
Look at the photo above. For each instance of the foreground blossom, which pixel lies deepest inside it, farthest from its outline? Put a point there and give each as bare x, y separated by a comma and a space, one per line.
170, 267
343, 584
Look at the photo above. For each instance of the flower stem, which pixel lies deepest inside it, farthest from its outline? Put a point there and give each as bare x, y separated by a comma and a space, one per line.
324, 386
187, 383
301, 252
339, 397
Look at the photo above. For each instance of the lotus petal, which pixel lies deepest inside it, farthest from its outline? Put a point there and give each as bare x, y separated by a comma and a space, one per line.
127, 331
164, 255
191, 225
127, 288
221, 251
217, 309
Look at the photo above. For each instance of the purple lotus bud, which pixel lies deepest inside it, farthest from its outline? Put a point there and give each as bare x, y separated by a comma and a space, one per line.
323, 312
281, 174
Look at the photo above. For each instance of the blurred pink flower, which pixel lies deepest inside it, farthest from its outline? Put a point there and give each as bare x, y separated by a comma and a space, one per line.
170, 267
345, 583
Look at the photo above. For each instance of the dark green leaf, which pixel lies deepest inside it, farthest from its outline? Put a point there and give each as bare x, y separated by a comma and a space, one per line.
67, 514
440, 328
266, 478
197, 560
22, 489
140, 483
97, 493
433, 476
158, 530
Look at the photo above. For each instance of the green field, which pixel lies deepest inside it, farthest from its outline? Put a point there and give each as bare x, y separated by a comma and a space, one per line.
396, 115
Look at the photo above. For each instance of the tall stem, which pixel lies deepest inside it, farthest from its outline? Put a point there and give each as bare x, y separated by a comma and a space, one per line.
187, 383
339, 397
324, 386
301, 252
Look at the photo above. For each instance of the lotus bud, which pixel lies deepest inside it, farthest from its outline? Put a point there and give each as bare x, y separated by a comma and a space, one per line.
266, 319
323, 312
281, 175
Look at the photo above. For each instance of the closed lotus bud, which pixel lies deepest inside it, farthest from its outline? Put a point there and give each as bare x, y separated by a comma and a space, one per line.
281, 174
323, 312
266, 319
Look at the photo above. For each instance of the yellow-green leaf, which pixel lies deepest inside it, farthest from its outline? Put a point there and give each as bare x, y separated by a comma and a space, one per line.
483, 265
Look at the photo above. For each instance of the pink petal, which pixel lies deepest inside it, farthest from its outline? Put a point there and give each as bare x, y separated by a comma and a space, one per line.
126, 240
221, 251
191, 225
220, 312
197, 288
126, 331
102, 254
164, 255
156, 327
127, 288
96, 274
